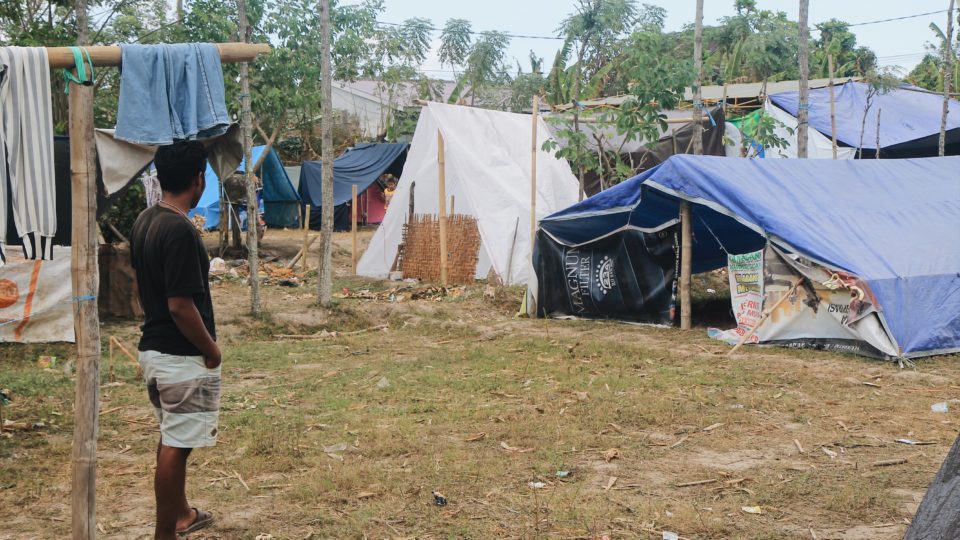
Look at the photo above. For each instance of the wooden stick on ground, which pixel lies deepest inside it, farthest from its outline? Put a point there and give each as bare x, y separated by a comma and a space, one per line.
764, 318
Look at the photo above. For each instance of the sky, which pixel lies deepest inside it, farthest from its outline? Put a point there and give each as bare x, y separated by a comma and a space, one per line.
895, 43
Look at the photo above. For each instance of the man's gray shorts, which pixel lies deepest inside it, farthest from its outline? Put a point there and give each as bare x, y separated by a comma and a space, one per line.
186, 398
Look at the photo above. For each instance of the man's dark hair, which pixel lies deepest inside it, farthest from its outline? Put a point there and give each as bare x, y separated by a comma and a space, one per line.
178, 165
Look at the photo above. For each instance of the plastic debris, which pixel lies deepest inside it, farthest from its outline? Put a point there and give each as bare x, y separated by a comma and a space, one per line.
669, 535
217, 265
941, 407
564, 474
756, 510
45, 362
383, 383
438, 498
536, 485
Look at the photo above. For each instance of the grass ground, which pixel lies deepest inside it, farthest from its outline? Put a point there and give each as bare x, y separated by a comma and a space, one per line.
349, 436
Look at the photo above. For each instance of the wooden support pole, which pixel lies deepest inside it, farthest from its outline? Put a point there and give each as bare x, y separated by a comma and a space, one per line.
86, 281
803, 110
947, 80
442, 188
697, 81
306, 233
353, 228
833, 108
103, 56
453, 206
877, 155
253, 208
686, 265
533, 172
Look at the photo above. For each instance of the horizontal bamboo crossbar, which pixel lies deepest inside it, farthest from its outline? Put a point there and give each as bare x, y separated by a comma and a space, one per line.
62, 57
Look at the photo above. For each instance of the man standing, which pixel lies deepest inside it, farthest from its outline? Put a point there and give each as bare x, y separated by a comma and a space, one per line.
178, 349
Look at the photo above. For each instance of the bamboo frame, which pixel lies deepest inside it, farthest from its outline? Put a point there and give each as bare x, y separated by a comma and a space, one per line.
86, 275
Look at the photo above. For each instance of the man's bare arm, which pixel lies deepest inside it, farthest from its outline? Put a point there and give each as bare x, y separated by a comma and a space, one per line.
187, 318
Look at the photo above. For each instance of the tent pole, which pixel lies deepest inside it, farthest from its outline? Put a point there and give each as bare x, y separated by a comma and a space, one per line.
947, 80
442, 178
253, 208
877, 156
697, 140
86, 281
533, 172
353, 228
306, 233
833, 108
452, 205
764, 318
686, 265
803, 109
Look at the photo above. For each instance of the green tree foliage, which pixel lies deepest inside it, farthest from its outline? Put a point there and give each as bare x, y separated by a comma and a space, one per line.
929, 72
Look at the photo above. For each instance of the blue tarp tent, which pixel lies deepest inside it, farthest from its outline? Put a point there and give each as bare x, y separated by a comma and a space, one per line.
895, 224
359, 166
909, 119
280, 202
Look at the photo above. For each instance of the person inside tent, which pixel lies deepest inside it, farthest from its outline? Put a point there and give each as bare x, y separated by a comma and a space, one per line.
388, 191
178, 349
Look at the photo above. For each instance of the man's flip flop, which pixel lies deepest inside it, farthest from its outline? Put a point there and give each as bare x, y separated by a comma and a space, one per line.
203, 520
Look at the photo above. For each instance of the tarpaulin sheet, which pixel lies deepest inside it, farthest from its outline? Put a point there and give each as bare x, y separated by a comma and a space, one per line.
905, 115
893, 223
360, 166
628, 276
938, 517
279, 196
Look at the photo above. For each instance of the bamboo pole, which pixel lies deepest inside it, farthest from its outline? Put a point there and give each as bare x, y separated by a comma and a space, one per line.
803, 110
306, 234
686, 229
104, 56
533, 172
833, 108
453, 206
697, 81
686, 265
947, 80
353, 229
442, 188
877, 155
85, 277
253, 208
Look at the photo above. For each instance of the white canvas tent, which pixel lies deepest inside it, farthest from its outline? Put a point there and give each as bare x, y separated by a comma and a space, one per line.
487, 156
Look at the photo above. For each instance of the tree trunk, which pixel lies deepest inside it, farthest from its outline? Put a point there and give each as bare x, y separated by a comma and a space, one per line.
86, 281
698, 80
803, 111
325, 278
947, 80
833, 110
686, 225
253, 209
576, 116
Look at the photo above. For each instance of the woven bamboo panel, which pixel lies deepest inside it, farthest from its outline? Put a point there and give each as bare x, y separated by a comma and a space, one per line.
420, 252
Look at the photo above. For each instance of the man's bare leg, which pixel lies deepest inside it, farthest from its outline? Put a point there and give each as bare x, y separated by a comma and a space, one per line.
173, 511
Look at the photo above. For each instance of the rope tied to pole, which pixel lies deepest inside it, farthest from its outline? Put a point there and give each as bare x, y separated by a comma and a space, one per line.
81, 77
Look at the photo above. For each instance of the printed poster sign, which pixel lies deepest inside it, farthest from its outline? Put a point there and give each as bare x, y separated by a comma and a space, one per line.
745, 273
36, 299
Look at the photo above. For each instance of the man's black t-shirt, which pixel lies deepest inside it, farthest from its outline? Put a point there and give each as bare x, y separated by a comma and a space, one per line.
170, 260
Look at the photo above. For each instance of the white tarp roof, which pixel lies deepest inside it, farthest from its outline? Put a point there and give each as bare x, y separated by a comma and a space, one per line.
487, 156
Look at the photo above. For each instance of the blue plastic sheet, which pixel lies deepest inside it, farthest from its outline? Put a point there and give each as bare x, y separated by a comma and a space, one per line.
894, 223
360, 166
905, 115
